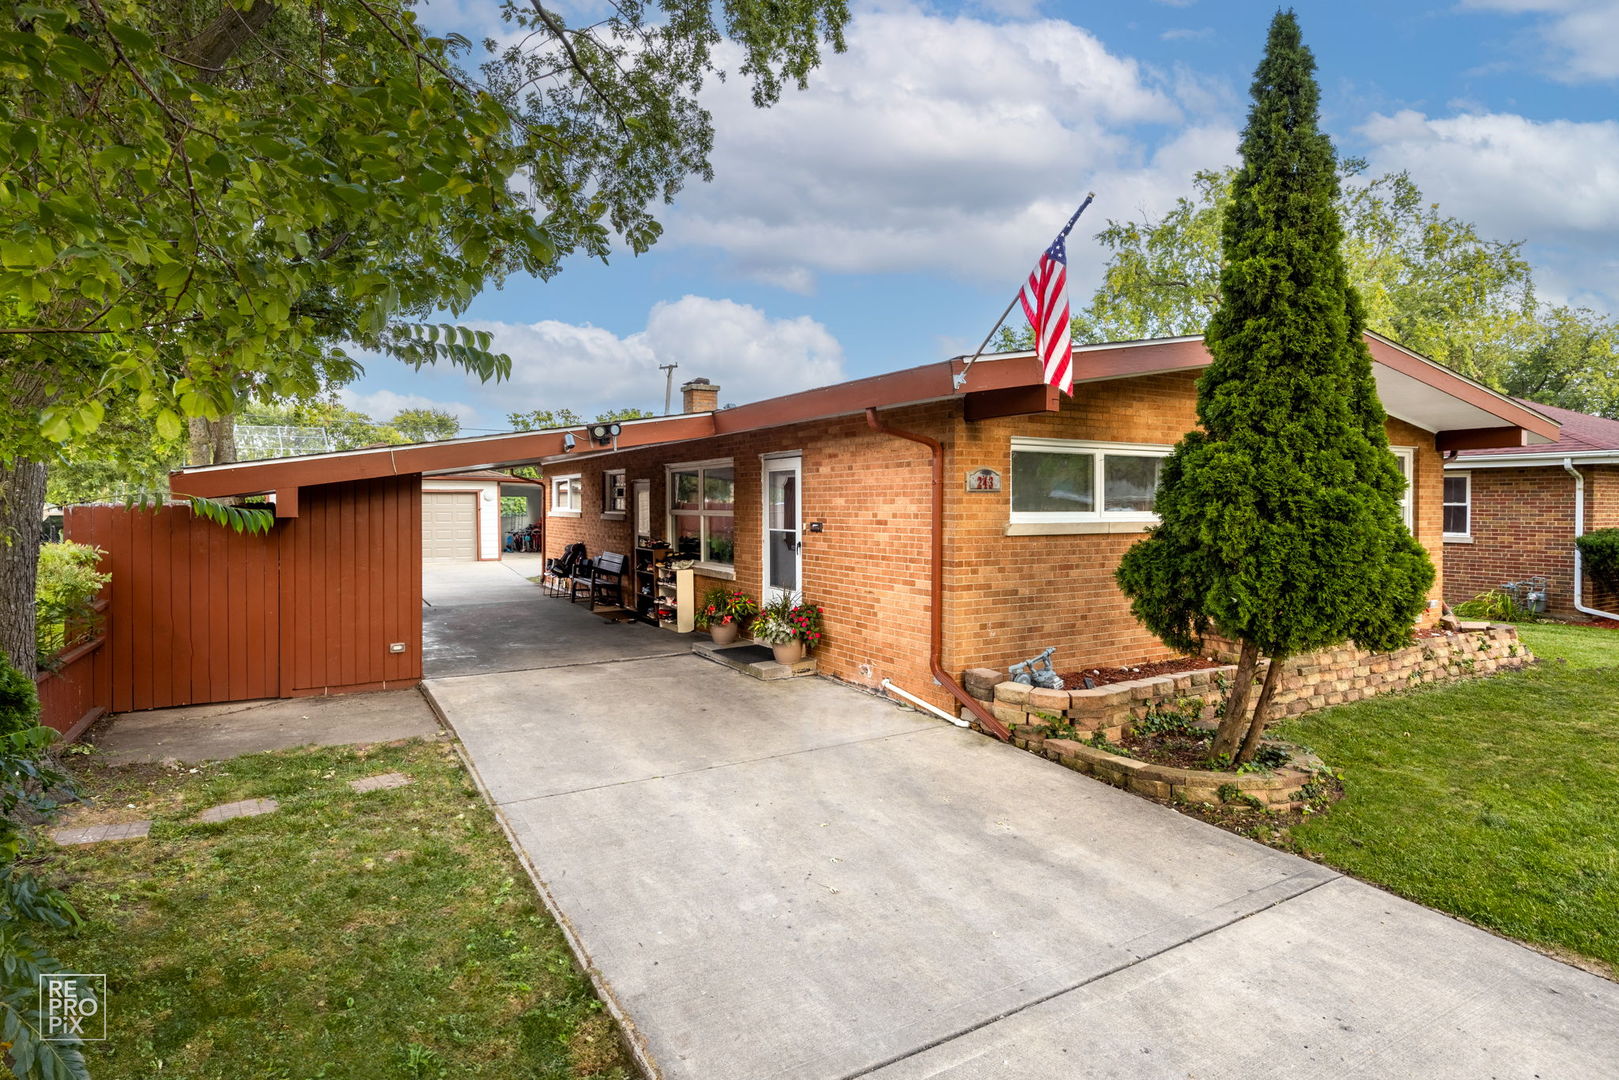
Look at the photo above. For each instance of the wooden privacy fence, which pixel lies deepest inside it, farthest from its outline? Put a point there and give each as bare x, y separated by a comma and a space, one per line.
74, 692
318, 605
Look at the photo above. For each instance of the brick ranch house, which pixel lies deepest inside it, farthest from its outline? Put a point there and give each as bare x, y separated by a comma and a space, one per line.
1510, 513
941, 527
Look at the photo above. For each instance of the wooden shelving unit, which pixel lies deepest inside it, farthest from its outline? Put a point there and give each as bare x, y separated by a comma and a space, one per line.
663, 597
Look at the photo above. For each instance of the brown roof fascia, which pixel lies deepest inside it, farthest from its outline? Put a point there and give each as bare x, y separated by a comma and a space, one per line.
1479, 439
251, 477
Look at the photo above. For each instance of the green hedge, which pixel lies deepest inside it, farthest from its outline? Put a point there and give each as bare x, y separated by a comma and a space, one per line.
1599, 551
67, 582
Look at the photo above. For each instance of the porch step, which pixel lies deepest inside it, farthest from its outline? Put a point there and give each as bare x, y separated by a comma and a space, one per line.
752, 660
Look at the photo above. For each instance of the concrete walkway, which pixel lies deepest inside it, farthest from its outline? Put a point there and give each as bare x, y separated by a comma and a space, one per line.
797, 880
216, 732
483, 617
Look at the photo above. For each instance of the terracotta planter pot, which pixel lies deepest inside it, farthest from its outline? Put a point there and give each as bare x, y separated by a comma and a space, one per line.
789, 652
724, 633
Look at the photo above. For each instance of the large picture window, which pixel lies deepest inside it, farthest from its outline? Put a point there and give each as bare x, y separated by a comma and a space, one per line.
565, 494
702, 511
1058, 480
1458, 506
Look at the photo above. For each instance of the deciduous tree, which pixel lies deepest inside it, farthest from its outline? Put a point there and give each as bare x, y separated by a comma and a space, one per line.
201, 203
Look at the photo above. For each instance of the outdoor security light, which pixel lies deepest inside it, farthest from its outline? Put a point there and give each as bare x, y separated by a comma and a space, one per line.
604, 433
567, 441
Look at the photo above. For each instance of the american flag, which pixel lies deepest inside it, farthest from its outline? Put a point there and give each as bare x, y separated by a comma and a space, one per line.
1045, 302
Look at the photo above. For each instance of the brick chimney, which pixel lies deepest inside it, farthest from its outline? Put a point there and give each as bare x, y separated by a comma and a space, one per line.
699, 395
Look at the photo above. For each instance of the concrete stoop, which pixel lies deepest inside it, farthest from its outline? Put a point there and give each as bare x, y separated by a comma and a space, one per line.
760, 668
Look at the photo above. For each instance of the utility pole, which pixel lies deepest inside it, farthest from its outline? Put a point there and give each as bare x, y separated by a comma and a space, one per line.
668, 384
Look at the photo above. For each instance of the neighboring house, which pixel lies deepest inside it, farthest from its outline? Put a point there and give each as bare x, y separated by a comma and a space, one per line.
1509, 512
461, 513
830, 491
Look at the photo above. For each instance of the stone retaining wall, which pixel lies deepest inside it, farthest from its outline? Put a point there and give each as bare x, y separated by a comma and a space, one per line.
1309, 682
1277, 789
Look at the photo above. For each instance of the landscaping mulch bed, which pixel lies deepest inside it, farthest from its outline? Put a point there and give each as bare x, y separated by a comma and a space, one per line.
1183, 751
1270, 826
1075, 680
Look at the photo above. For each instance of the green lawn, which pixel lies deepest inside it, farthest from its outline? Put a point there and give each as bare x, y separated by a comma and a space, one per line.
390, 934
1494, 799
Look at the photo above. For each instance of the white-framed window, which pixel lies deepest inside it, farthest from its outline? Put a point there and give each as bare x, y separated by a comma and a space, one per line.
1058, 480
1458, 505
615, 496
565, 494
702, 511
1407, 457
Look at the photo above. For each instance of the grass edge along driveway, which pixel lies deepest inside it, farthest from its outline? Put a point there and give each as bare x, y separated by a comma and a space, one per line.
1492, 799
388, 934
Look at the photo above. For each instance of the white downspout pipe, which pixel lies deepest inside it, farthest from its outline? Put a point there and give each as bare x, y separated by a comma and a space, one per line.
920, 704
1579, 530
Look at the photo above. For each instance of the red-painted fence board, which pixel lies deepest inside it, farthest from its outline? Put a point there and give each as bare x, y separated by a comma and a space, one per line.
201, 614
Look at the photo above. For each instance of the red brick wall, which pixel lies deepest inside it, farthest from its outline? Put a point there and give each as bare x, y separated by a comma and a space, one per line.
1008, 597
867, 568
1523, 525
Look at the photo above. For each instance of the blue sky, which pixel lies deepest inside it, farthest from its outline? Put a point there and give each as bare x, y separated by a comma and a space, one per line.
882, 218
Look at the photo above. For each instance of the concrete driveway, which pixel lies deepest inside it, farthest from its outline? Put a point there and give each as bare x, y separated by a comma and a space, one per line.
480, 617
798, 880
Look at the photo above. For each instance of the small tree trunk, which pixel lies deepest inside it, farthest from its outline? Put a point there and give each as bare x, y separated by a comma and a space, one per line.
1256, 726
1234, 722
199, 442
22, 505
224, 431
211, 442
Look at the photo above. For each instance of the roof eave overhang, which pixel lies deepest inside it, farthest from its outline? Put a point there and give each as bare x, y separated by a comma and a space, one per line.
1415, 391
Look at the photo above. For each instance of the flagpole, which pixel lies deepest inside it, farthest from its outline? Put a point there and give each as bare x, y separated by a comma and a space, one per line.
961, 376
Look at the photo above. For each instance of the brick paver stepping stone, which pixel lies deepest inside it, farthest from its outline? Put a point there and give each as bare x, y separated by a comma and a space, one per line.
95, 834
245, 808
380, 782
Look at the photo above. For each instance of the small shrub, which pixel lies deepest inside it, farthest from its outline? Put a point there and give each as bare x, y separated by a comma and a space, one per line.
1268, 756
1231, 794
1179, 719
19, 703
1599, 554
66, 584
1098, 741
1494, 605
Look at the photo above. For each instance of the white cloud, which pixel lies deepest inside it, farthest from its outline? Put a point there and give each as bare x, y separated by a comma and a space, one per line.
934, 144
1182, 33
587, 369
384, 404
1528, 177
1580, 34
1552, 183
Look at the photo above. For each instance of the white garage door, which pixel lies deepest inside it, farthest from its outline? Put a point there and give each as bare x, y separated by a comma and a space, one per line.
449, 526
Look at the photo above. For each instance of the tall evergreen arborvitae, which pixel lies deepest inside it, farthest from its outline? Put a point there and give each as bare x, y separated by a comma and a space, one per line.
1280, 523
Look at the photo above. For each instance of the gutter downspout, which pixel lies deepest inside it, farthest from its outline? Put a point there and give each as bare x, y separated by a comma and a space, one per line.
936, 593
1579, 530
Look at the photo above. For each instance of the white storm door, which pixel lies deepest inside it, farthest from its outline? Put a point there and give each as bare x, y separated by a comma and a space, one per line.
782, 514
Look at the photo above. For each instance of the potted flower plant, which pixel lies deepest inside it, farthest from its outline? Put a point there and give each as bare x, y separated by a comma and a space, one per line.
722, 612
791, 626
